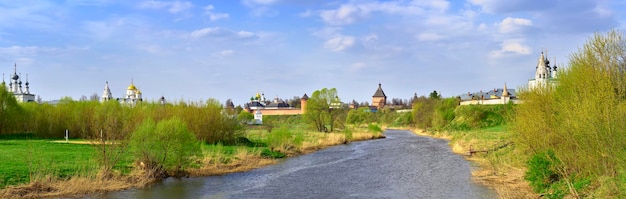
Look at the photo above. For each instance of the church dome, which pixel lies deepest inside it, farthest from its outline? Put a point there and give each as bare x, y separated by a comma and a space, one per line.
138, 92
132, 87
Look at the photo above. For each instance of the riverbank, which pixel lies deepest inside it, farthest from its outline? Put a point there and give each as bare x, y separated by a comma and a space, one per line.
498, 167
216, 160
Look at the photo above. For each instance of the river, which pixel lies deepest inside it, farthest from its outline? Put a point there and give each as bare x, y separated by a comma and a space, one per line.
401, 166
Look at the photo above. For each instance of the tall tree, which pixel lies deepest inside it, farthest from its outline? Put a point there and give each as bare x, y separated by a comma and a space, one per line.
9, 110
434, 95
321, 108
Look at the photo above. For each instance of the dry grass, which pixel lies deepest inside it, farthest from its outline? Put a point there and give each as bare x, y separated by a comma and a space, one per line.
75, 186
507, 181
240, 164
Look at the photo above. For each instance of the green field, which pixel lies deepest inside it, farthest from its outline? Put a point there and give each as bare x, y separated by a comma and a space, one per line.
25, 159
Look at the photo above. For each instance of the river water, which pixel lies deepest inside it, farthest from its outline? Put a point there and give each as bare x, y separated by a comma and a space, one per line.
401, 166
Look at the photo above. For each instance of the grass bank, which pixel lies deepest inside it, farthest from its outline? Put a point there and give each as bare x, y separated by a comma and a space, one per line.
499, 165
34, 168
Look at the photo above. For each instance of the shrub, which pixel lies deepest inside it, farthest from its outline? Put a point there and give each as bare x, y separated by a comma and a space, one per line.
581, 117
374, 129
166, 146
541, 174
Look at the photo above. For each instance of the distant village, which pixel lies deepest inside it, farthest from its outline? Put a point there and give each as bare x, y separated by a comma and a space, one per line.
545, 74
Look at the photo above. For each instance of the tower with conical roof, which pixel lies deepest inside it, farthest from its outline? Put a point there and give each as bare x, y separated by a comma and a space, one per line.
379, 99
106, 93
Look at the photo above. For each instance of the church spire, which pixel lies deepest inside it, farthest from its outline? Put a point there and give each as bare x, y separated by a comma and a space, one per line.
505, 91
27, 90
106, 93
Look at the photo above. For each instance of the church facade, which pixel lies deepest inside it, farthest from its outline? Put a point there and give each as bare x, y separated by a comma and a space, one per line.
544, 74
22, 94
132, 97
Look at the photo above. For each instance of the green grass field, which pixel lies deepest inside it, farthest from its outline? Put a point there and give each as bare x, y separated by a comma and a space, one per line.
25, 159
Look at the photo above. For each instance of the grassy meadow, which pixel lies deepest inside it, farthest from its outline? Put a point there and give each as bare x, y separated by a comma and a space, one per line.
30, 161
25, 160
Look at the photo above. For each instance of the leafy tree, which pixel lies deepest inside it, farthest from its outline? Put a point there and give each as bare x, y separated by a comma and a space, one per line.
245, 116
164, 146
322, 109
434, 95
359, 116
423, 110
9, 111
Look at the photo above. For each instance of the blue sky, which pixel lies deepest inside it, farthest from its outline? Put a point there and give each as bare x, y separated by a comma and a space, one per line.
195, 50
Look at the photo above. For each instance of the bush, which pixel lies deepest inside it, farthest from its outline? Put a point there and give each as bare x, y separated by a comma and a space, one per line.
581, 117
166, 146
480, 116
541, 174
374, 129
282, 139
444, 112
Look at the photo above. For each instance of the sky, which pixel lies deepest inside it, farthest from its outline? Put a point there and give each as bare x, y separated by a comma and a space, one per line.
196, 50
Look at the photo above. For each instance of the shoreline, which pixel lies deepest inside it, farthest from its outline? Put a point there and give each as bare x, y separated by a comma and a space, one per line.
506, 181
77, 186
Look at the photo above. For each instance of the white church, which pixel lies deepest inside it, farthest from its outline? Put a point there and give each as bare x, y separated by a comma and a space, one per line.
22, 94
544, 74
132, 97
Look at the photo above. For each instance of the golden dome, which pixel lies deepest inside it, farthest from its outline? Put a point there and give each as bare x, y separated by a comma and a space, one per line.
138, 91
132, 87
258, 95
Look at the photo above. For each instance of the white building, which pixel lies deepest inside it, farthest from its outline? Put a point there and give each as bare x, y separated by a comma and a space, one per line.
544, 75
106, 94
15, 87
491, 97
132, 97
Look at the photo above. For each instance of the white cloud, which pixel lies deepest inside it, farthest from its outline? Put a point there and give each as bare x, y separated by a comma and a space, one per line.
513, 25
340, 43
213, 16
16, 51
171, 6
258, 2
509, 6
429, 37
225, 53
219, 32
511, 47
351, 12
345, 14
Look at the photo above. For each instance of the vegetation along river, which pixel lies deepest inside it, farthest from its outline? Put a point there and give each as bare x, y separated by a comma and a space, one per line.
401, 166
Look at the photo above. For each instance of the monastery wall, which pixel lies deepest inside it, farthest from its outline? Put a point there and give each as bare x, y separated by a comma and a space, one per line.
281, 111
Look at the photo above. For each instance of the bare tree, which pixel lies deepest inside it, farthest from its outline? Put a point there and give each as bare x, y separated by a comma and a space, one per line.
94, 97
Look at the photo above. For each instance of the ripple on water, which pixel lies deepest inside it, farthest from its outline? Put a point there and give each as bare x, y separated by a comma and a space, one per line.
401, 166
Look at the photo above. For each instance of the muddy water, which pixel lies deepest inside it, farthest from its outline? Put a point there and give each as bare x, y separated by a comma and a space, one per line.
401, 166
